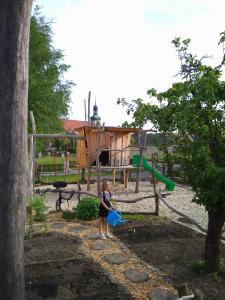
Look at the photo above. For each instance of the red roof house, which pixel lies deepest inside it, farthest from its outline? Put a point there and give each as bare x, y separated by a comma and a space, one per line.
72, 125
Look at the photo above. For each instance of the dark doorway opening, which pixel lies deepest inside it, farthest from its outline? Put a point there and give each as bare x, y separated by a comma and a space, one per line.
103, 159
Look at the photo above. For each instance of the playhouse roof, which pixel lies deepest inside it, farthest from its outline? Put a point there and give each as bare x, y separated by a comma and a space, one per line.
112, 128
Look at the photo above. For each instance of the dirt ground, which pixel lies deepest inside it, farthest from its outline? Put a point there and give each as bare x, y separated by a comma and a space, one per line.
172, 248
55, 268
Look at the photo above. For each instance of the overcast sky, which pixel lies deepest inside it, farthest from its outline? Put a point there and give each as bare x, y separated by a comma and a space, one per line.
122, 48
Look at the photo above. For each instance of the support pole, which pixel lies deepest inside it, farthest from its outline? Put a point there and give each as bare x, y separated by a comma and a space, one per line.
101, 132
32, 154
139, 171
85, 111
89, 103
113, 176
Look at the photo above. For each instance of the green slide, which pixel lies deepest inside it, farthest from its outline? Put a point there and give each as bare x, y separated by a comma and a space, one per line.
169, 184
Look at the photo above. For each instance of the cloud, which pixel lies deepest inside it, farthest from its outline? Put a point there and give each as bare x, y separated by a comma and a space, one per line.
121, 48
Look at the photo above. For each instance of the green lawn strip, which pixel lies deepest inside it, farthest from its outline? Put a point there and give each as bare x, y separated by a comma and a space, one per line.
49, 160
144, 218
69, 178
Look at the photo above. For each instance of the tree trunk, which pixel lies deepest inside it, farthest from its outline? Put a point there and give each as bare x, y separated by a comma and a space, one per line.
212, 242
14, 40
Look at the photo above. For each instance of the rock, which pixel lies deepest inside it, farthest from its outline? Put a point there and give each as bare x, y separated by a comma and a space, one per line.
100, 246
136, 276
93, 235
115, 258
57, 225
77, 229
160, 294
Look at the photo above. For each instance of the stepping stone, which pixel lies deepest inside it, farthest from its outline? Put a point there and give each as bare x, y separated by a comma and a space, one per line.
37, 228
58, 225
115, 258
136, 276
93, 235
160, 294
100, 246
77, 229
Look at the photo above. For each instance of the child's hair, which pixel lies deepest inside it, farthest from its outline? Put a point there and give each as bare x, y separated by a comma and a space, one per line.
104, 181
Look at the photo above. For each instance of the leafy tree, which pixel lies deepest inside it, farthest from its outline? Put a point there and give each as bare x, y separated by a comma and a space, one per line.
49, 94
192, 111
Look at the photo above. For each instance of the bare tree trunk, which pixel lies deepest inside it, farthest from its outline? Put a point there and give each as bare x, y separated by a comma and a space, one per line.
14, 40
212, 242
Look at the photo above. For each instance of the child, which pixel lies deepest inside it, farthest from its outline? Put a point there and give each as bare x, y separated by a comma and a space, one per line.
104, 208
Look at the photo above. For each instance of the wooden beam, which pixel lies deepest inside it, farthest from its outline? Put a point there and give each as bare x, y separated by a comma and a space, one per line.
57, 135
123, 149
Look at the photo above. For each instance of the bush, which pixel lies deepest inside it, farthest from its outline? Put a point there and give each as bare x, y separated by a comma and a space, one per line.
38, 208
199, 266
87, 209
69, 215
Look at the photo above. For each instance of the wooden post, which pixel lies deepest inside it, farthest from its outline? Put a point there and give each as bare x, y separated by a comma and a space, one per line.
79, 192
101, 132
139, 171
126, 176
113, 176
32, 155
198, 295
85, 111
182, 290
89, 104
154, 188
89, 177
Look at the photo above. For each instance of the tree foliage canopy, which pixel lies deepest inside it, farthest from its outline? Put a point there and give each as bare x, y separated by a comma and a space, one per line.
193, 112
49, 94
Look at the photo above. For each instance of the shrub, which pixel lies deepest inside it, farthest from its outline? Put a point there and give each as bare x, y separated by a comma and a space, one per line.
69, 215
38, 208
87, 209
199, 266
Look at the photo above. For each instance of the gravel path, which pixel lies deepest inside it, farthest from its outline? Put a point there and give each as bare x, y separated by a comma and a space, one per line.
180, 199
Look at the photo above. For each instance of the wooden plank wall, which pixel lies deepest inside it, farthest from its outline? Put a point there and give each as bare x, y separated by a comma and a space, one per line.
119, 140
126, 154
93, 142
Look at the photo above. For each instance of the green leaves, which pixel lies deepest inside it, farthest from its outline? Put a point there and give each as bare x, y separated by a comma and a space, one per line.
192, 112
87, 209
49, 94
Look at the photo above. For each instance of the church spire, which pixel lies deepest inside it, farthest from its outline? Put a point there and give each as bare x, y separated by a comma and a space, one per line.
95, 119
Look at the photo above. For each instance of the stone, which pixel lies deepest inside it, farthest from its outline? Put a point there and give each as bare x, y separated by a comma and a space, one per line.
93, 235
136, 276
115, 258
58, 225
160, 294
77, 229
100, 246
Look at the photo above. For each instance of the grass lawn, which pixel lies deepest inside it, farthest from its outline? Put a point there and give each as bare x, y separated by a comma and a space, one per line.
69, 178
49, 160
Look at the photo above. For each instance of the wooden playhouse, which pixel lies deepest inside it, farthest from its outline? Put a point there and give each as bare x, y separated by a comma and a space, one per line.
96, 143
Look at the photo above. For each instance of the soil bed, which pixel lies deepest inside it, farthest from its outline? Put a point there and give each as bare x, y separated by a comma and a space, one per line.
172, 248
56, 268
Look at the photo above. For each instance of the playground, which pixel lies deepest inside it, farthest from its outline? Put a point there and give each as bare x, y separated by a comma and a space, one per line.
151, 255
159, 250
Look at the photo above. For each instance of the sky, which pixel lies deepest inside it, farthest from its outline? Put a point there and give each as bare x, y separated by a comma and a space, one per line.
122, 48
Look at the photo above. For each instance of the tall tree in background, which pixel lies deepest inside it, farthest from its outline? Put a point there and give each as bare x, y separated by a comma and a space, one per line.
14, 40
193, 112
49, 94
